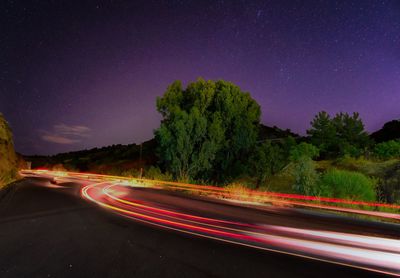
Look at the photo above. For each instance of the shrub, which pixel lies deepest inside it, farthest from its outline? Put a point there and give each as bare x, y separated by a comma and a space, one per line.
238, 191
113, 171
365, 166
389, 149
347, 185
389, 187
303, 150
306, 178
349, 150
131, 173
282, 181
266, 160
350, 163
154, 173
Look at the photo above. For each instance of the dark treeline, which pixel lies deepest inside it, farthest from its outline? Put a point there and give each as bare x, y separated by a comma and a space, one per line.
114, 159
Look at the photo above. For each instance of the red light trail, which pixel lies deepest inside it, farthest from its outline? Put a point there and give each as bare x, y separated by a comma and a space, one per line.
366, 252
251, 195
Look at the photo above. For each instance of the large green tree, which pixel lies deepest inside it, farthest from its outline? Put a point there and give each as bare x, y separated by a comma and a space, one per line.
207, 130
343, 134
351, 138
322, 132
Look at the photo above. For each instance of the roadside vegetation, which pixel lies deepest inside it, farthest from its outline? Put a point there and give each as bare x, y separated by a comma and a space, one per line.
210, 133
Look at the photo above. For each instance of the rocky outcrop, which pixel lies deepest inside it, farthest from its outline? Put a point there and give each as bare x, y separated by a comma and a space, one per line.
8, 157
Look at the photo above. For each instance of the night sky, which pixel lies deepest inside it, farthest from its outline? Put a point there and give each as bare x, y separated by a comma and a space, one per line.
77, 74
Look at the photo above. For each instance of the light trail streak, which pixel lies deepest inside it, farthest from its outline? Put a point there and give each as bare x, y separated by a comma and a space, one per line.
251, 195
365, 252
208, 188
370, 253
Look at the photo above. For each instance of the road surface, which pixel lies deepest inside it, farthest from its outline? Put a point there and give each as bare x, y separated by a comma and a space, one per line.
63, 230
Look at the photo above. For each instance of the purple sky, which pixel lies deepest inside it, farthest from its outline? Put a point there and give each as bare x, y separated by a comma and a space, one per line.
86, 74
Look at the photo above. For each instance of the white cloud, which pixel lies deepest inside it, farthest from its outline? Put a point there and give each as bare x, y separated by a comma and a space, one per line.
59, 139
66, 134
74, 130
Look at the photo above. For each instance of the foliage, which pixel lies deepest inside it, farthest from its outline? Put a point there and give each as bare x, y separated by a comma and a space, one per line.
154, 173
266, 160
112, 171
322, 132
208, 129
238, 191
306, 177
303, 150
385, 172
287, 145
389, 149
347, 185
389, 187
131, 173
282, 181
369, 167
58, 167
351, 138
342, 135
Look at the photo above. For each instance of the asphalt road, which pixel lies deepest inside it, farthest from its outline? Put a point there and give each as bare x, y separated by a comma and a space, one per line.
50, 231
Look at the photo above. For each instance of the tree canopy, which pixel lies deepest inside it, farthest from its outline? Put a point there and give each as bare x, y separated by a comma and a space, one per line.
207, 130
341, 135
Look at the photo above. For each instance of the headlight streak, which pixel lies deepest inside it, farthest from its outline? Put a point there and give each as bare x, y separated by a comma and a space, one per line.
365, 252
379, 244
265, 197
212, 189
350, 250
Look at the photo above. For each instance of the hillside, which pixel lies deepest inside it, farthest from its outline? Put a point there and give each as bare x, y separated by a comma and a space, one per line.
8, 157
271, 133
112, 159
389, 131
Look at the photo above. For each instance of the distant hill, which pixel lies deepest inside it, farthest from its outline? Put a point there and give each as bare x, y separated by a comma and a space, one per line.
389, 131
267, 132
108, 159
116, 159
8, 157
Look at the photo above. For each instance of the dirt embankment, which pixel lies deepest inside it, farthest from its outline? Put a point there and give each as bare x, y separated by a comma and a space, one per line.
8, 157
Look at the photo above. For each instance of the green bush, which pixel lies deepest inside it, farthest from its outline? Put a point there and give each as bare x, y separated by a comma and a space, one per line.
267, 160
303, 150
389, 149
369, 167
154, 173
306, 178
238, 191
347, 185
389, 187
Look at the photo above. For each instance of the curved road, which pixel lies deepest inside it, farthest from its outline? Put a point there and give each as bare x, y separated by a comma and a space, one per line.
70, 228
